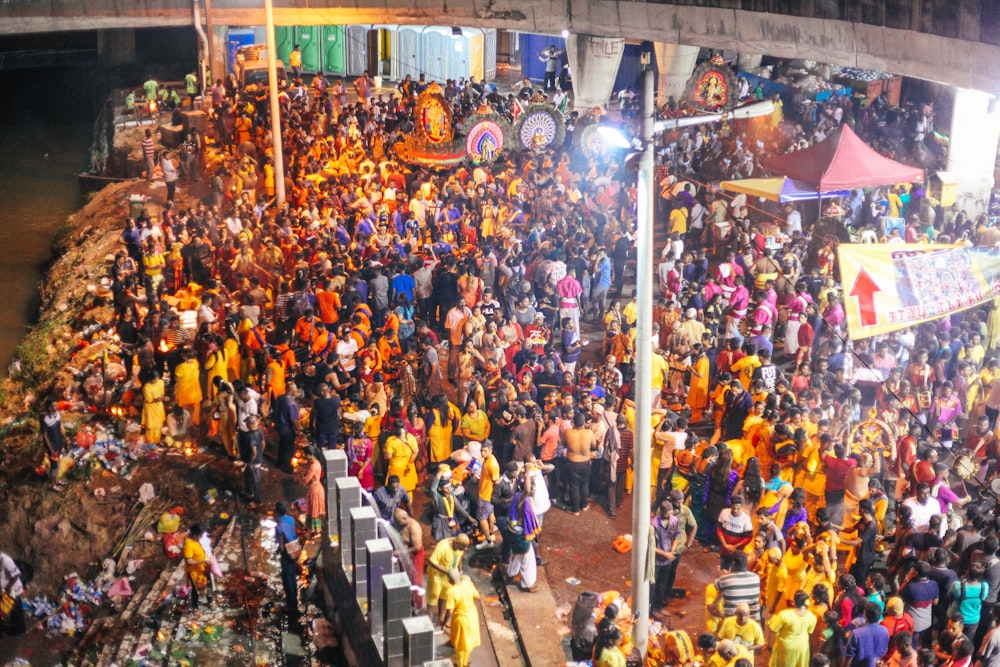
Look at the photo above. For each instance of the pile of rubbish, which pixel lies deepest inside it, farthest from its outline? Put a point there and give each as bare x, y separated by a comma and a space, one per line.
72, 611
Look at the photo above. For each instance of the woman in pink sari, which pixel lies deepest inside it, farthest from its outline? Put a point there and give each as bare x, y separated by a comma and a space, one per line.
359, 453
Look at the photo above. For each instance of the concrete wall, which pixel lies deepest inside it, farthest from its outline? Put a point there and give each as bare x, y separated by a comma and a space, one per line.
892, 35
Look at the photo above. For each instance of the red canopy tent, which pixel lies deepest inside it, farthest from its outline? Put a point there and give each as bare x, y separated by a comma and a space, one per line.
840, 162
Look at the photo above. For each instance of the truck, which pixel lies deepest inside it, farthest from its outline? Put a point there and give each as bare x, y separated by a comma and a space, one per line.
252, 75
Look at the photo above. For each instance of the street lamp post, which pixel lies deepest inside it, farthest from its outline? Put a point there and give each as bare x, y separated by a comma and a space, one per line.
641, 577
272, 84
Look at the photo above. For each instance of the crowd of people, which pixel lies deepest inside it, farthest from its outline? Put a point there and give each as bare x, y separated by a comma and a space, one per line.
467, 337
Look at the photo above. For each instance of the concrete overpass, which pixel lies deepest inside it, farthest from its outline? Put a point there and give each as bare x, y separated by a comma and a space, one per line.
954, 41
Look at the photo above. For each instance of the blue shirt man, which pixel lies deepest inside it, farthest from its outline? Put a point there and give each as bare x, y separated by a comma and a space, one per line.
868, 643
603, 275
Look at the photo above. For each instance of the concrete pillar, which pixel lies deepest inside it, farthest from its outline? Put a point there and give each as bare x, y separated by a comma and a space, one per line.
675, 63
593, 63
972, 151
379, 561
396, 604
219, 37
115, 47
363, 528
418, 641
748, 61
348, 497
335, 464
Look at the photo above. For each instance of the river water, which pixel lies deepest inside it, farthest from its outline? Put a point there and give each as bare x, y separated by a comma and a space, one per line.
45, 131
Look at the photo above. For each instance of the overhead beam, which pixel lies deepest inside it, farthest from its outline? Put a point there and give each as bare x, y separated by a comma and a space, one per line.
966, 64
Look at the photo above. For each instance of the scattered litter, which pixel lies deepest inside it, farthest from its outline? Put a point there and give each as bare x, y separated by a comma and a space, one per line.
622, 544
572, 581
120, 589
564, 610
146, 493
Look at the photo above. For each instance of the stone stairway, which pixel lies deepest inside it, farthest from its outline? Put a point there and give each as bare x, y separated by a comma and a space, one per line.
244, 626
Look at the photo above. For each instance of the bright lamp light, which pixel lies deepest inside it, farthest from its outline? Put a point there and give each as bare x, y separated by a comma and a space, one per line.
613, 136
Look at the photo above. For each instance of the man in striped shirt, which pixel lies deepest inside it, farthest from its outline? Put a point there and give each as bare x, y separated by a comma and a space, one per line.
738, 586
149, 154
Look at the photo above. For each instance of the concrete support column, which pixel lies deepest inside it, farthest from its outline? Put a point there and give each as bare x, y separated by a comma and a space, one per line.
379, 561
593, 62
975, 131
418, 641
348, 498
748, 61
115, 47
675, 62
363, 528
335, 465
396, 604
219, 37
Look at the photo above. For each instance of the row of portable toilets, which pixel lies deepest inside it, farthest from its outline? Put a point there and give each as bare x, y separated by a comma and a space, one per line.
441, 53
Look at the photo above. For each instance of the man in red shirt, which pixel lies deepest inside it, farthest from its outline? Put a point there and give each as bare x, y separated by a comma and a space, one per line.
906, 456
836, 468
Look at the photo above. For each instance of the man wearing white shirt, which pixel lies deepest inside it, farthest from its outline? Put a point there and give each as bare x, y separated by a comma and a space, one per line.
346, 349
793, 221
922, 508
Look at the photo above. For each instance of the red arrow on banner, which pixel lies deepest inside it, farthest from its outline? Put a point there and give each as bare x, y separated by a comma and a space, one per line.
864, 288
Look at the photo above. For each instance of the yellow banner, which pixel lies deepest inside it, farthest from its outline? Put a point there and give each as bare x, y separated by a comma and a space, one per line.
894, 286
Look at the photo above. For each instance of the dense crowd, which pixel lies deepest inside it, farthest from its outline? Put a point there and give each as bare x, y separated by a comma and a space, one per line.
470, 333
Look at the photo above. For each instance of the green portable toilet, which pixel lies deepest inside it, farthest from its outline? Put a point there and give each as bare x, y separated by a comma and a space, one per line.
308, 38
334, 56
284, 38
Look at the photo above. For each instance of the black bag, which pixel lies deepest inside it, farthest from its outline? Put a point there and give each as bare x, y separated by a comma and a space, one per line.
584, 626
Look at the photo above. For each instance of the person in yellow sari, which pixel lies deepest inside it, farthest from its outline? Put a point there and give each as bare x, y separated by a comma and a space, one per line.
225, 407
462, 616
608, 651
187, 386
401, 455
447, 556
790, 575
811, 476
153, 413
697, 397
195, 563
444, 417
216, 365
232, 347
792, 628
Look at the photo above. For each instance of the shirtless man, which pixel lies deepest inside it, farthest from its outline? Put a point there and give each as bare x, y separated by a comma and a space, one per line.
580, 443
856, 486
412, 535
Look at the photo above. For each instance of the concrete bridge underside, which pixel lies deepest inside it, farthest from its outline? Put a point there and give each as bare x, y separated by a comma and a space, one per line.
964, 58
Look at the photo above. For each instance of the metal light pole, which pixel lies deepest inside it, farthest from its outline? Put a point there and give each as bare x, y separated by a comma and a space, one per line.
643, 373
272, 84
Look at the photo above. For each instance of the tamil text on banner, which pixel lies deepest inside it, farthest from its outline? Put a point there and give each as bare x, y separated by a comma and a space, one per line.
893, 286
